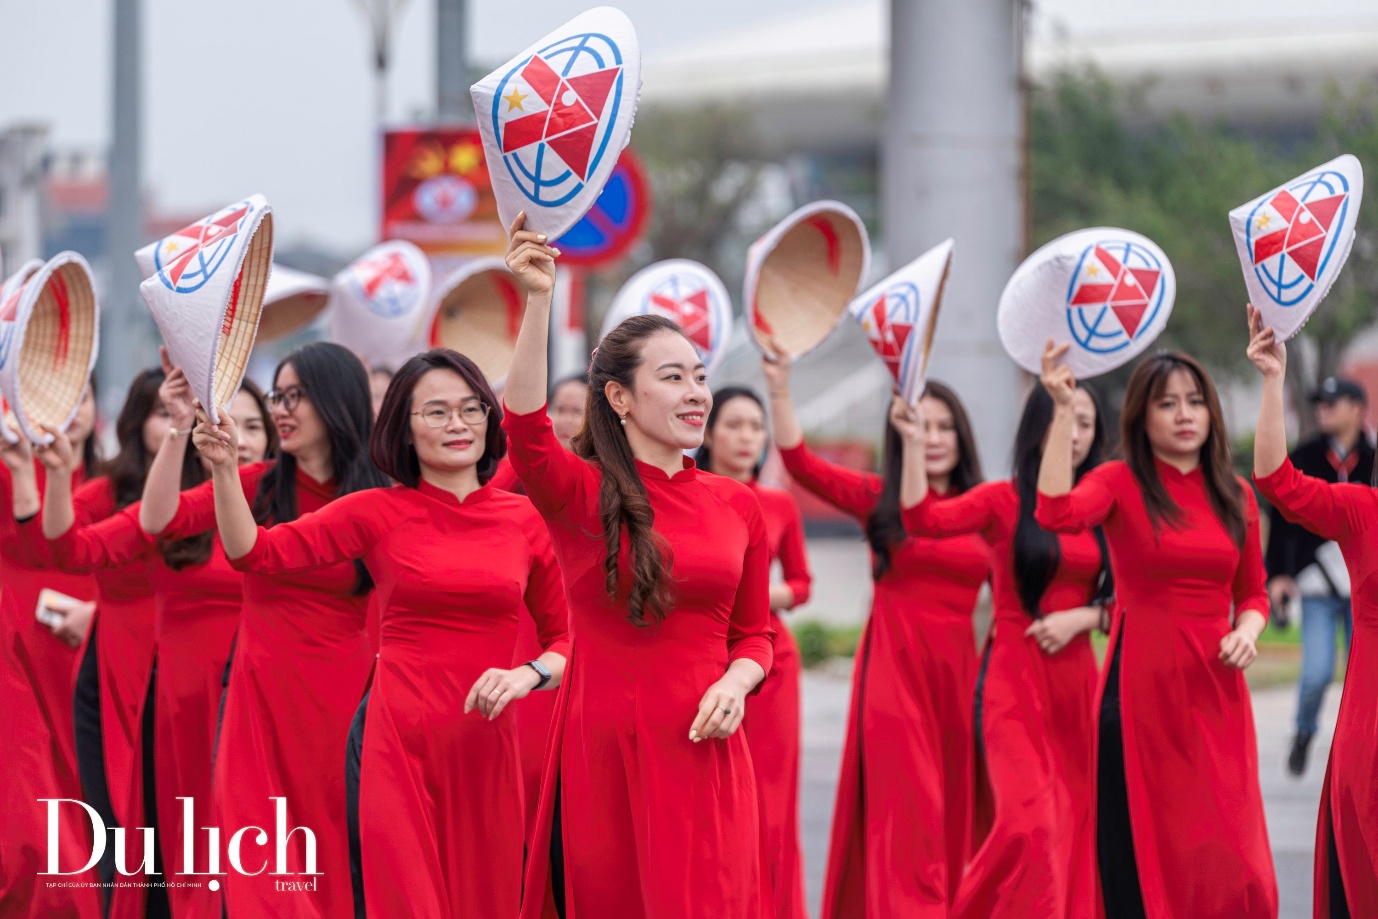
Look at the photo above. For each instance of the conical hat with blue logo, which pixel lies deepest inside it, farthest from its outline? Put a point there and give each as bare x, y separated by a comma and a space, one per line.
556, 116
1294, 240
49, 327
206, 290
899, 317
478, 312
380, 303
802, 274
1105, 291
685, 291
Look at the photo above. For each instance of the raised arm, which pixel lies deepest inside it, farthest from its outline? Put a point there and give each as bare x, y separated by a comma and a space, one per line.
218, 444
978, 510
777, 367
117, 540
533, 262
60, 462
344, 530
18, 460
163, 485
1270, 357
1055, 473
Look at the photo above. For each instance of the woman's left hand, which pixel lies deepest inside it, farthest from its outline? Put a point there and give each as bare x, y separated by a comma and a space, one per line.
76, 622
57, 457
907, 419
492, 691
720, 711
1239, 648
1056, 630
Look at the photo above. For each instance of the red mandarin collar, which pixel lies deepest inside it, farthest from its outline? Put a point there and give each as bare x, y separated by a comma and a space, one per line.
687, 474
324, 489
1170, 473
483, 493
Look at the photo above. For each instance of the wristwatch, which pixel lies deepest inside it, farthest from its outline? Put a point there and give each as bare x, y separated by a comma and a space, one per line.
542, 671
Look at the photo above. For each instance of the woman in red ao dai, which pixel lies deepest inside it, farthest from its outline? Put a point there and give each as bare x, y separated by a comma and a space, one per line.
1346, 880
454, 560
902, 824
648, 806
1035, 851
1180, 825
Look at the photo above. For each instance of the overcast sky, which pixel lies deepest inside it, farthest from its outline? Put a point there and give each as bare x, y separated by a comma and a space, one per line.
276, 96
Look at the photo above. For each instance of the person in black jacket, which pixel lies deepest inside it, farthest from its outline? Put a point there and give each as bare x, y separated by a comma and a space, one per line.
1301, 565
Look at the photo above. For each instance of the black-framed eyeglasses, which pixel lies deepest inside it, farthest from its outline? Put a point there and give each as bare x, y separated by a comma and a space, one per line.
471, 413
288, 398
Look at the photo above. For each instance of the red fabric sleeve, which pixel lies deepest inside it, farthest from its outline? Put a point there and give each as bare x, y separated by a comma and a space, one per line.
196, 506
1250, 579
849, 490
1334, 511
24, 543
977, 510
1089, 504
794, 559
342, 531
749, 633
563, 487
117, 540
545, 593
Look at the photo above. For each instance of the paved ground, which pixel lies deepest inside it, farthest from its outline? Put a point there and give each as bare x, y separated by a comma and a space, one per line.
1290, 803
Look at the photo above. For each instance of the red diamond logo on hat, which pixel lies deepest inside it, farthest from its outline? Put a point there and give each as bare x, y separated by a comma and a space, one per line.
887, 337
1126, 291
1302, 237
569, 123
373, 274
690, 312
200, 235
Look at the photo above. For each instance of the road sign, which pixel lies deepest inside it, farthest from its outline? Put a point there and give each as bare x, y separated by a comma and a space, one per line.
615, 222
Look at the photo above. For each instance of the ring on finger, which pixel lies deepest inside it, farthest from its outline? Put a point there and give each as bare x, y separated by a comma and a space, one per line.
725, 710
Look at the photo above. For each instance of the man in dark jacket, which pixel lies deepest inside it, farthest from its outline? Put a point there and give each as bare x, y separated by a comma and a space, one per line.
1302, 565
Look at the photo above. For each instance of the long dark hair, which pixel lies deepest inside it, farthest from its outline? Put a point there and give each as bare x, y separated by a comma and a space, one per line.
1037, 552
1146, 384
704, 456
622, 499
392, 448
91, 461
884, 528
196, 550
335, 381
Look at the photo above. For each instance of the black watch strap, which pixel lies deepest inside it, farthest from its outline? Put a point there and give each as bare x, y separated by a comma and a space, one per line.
542, 671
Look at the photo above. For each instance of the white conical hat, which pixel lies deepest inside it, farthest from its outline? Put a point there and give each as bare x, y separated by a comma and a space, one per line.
1106, 291
685, 291
900, 314
556, 116
1294, 240
49, 327
292, 302
206, 293
801, 275
380, 301
478, 312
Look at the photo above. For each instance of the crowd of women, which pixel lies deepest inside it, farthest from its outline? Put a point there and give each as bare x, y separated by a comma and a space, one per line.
441, 655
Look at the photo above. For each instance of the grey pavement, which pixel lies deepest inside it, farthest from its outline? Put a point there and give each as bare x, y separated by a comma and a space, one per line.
1290, 803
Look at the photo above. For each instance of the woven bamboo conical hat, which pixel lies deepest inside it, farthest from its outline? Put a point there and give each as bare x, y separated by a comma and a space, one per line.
478, 312
49, 328
801, 275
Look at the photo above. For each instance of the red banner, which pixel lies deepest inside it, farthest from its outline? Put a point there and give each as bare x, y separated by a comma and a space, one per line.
436, 193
